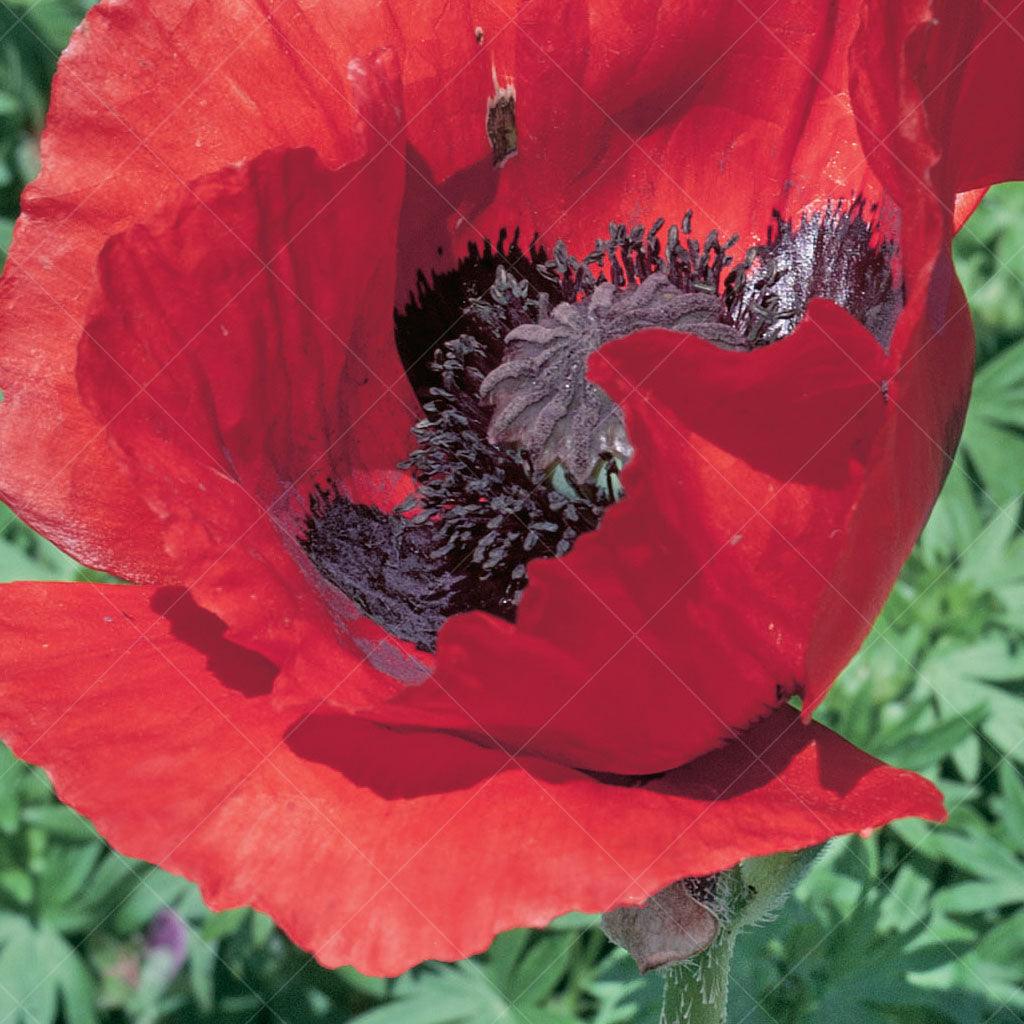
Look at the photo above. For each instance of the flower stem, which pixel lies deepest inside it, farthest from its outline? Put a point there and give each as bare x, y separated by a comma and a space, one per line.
697, 991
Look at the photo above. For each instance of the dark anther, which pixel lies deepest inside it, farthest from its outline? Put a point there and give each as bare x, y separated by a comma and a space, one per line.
453, 302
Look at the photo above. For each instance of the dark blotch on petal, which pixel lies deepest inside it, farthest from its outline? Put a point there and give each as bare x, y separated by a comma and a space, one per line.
382, 563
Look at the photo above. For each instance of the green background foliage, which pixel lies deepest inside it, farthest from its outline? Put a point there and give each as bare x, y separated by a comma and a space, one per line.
913, 924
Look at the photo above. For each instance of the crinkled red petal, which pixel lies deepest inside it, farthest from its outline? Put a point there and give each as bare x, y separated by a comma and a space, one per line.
185, 101
961, 72
242, 355
371, 846
986, 145
634, 119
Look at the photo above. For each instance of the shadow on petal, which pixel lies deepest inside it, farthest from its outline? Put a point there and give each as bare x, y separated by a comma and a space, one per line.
245, 671
395, 765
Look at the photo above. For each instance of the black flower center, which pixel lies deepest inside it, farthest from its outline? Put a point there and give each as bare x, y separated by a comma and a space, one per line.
518, 453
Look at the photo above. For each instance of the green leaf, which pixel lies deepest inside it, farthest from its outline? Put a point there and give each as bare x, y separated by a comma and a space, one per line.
74, 982
977, 897
1000, 871
460, 994
29, 962
153, 891
202, 966
59, 820
906, 904
78, 992
1009, 805
542, 969
16, 564
985, 674
504, 955
67, 872
18, 884
993, 438
575, 921
911, 742
538, 1015
112, 875
227, 922
956, 519
375, 988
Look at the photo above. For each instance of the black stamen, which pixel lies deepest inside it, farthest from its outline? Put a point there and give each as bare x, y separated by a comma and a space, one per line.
382, 562
451, 302
836, 254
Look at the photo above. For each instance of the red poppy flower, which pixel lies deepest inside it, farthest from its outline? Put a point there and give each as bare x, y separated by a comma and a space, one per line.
330, 691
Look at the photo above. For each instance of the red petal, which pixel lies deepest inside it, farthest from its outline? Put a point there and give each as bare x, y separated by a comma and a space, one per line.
802, 58
185, 100
370, 846
928, 393
699, 588
257, 315
904, 94
632, 119
985, 141
889, 78
936, 88
966, 204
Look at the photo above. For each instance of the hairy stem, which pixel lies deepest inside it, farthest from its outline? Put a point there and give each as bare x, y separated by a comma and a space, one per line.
697, 991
